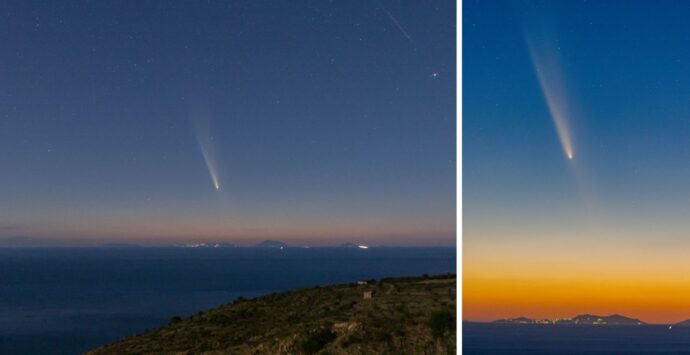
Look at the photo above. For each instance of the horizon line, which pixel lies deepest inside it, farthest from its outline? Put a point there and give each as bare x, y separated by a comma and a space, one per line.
222, 245
580, 314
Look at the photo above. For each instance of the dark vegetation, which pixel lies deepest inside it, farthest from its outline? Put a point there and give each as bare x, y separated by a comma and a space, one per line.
441, 322
414, 315
317, 340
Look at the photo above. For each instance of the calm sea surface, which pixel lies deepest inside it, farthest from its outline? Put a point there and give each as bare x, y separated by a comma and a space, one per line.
568, 339
66, 301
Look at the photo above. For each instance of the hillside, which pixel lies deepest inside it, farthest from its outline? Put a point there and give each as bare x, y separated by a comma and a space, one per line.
403, 316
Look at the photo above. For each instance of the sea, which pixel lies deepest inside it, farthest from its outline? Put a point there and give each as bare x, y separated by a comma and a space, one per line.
70, 300
538, 339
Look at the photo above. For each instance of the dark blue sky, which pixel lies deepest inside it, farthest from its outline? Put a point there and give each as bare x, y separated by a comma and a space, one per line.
624, 73
330, 121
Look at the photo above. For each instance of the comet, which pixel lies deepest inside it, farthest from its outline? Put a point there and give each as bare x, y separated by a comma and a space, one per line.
209, 157
545, 59
547, 51
207, 145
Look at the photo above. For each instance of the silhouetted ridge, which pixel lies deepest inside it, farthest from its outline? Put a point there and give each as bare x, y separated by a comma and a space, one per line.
271, 244
582, 319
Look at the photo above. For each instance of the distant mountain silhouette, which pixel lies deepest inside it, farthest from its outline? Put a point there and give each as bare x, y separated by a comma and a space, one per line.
121, 245
348, 245
614, 319
519, 320
582, 319
271, 244
685, 323
206, 245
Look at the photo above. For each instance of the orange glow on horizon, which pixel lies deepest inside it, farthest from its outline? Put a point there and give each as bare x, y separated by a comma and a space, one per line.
541, 280
564, 290
652, 302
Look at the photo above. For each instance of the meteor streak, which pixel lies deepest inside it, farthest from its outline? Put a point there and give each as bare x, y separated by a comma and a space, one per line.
397, 24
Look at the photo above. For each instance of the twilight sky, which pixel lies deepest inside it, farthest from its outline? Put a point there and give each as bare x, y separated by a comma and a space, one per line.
323, 122
605, 232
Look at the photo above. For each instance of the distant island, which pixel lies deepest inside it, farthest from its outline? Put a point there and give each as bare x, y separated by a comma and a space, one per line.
120, 245
205, 245
349, 245
272, 244
353, 246
582, 319
414, 315
201, 245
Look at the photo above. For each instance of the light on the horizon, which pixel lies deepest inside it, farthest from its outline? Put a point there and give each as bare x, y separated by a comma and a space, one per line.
363, 247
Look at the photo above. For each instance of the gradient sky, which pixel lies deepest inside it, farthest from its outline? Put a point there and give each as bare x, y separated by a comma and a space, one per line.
606, 232
328, 121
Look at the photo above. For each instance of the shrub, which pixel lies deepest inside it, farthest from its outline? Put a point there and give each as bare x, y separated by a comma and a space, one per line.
175, 319
441, 322
318, 340
382, 335
351, 338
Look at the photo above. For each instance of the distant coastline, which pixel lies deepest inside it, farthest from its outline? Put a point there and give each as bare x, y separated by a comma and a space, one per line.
27, 242
581, 320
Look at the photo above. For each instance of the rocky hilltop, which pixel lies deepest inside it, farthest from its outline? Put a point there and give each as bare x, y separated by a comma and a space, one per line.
392, 316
